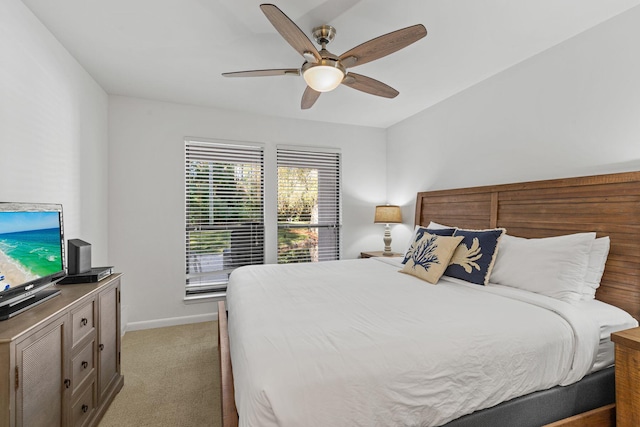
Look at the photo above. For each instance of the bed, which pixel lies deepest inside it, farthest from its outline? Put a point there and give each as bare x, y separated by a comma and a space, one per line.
294, 359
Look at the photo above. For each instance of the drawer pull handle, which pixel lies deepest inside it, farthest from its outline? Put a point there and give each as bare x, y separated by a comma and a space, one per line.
84, 321
101, 347
67, 383
85, 408
84, 364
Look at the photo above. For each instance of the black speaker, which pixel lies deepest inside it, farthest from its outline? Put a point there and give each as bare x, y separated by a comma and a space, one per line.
78, 256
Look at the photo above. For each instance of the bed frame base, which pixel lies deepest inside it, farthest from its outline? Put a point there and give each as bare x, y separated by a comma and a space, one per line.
601, 417
591, 394
228, 409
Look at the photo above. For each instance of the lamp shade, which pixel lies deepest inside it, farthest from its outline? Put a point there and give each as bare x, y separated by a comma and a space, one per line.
388, 214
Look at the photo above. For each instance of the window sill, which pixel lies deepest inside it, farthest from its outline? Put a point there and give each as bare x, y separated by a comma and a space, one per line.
212, 297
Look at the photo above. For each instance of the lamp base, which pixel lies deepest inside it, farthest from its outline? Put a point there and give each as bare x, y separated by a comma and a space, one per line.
387, 241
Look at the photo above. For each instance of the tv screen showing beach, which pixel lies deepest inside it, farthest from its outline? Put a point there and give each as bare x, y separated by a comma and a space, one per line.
30, 247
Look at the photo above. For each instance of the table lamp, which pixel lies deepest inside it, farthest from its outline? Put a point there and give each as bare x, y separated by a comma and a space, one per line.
387, 214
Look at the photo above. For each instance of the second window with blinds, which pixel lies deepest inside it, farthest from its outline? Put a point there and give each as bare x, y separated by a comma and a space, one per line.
308, 205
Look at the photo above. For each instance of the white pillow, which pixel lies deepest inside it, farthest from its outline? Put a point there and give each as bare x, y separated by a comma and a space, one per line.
552, 266
436, 226
595, 269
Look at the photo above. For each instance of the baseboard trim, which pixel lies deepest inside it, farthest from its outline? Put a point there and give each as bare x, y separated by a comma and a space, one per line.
172, 321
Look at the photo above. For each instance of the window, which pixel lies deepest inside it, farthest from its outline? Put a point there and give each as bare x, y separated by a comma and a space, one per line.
224, 213
308, 205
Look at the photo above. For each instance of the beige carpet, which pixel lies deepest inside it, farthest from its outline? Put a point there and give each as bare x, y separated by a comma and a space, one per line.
170, 378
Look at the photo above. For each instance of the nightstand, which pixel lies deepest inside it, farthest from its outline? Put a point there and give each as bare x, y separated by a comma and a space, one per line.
371, 254
627, 345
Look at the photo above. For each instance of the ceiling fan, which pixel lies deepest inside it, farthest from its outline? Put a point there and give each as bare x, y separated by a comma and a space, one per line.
322, 70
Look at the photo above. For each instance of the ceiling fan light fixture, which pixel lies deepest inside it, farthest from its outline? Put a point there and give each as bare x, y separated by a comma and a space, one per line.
323, 76
322, 70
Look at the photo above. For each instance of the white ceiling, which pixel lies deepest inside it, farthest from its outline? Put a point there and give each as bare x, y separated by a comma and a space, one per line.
176, 50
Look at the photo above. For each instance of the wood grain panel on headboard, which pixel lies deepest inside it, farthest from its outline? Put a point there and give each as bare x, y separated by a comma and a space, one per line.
606, 204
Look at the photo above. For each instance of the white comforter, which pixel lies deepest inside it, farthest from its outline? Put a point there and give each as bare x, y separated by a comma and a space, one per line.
355, 343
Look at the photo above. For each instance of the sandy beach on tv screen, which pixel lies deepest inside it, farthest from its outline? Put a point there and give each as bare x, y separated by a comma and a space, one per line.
13, 273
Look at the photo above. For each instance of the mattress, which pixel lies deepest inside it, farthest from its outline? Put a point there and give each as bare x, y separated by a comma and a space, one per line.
357, 343
609, 319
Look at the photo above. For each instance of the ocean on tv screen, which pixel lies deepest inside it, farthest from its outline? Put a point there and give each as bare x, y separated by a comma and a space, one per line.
29, 247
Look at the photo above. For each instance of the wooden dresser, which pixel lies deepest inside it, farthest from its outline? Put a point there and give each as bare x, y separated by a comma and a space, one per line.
60, 361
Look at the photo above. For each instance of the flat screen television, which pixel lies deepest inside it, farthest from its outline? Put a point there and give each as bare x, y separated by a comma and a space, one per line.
32, 256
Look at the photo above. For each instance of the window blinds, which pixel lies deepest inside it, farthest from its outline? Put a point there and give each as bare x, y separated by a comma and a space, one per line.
309, 217
224, 193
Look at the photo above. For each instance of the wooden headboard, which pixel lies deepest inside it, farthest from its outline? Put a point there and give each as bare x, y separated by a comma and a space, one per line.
606, 204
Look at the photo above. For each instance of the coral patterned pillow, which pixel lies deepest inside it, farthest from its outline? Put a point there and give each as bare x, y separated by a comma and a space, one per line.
429, 255
419, 232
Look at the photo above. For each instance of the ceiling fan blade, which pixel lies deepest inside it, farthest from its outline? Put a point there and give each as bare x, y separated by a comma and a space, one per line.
309, 97
369, 85
382, 46
289, 30
264, 73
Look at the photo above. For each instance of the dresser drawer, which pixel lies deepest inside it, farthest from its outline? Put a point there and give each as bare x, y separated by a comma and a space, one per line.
83, 321
84, 406
83, 365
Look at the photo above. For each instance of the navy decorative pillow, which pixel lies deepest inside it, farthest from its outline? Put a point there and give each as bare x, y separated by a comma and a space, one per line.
473, 259
419, 233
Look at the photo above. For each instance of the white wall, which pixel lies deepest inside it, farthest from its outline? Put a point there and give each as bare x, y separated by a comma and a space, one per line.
53, 128
572, 110
146, 193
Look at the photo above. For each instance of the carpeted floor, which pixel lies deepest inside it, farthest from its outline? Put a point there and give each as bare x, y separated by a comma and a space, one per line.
170, 378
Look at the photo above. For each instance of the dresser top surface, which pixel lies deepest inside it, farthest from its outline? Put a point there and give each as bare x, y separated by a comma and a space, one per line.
26, 321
